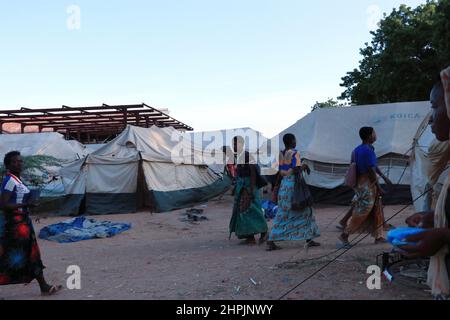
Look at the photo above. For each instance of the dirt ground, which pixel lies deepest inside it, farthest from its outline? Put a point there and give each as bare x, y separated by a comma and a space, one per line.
162, 257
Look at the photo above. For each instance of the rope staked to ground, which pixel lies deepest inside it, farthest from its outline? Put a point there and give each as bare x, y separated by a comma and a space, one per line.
353, 245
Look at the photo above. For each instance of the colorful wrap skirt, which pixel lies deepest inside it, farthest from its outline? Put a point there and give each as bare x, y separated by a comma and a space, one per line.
367, 214
20, 258
290, 225
250, 221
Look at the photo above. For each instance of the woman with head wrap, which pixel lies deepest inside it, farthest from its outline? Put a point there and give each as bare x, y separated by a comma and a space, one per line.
435, 241
248, 218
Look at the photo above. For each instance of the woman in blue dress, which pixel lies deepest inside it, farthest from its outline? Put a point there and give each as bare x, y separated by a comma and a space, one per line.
291, 225
20, 258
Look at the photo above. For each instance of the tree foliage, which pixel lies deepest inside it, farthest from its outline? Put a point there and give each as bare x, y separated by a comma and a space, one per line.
405, 56
36, 169
330, 103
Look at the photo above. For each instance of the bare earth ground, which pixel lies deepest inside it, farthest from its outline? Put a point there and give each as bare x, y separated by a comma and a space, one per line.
162, 257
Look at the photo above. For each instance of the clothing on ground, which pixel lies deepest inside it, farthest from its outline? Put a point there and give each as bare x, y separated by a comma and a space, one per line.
81, 228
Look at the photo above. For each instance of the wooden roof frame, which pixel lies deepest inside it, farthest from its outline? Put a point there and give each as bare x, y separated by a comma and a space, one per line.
104, 119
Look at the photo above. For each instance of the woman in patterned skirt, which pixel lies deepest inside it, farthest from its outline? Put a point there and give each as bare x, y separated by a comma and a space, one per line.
20, 259
367, 209
291, 225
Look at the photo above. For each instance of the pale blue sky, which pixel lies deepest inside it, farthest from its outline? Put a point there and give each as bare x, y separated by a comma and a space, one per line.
214, 64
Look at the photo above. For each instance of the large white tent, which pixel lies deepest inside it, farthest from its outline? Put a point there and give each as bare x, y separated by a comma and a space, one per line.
47, 143
215, 140
326, 138
154, 167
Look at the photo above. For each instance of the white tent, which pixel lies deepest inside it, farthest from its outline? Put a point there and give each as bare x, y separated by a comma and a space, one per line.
47, 143
154, 167
215, 140
326, 138
93, 147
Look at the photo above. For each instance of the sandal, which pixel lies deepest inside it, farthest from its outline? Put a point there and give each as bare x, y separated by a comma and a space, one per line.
52, 291
311, 244
273, 247
344, 243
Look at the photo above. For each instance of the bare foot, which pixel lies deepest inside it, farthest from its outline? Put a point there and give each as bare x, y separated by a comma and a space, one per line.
344, 239
264, 237
51, 290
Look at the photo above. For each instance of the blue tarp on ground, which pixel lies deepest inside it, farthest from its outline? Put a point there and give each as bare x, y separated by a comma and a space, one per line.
79, 229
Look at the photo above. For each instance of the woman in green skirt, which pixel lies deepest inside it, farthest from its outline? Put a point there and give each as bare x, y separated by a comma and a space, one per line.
248, 217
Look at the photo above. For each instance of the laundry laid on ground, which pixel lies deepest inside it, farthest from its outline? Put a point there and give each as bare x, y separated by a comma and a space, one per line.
81, 228
193, 215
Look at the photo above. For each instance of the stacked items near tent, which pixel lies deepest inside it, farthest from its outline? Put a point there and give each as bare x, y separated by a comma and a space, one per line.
152, 167
328, 152
44, 154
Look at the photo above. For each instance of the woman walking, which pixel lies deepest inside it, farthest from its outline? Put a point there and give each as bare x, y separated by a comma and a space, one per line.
248, 217
20, 259
291, 225
367, 210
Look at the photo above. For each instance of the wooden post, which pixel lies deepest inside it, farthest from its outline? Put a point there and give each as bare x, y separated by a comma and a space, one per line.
125, 117
137, 119
22, 128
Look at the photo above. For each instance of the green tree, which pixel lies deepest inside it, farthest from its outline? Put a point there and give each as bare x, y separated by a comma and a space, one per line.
36, 171
404, 58
330, 103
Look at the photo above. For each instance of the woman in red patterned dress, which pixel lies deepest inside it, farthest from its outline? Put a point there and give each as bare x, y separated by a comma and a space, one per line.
20, 259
